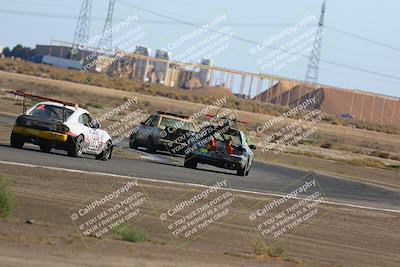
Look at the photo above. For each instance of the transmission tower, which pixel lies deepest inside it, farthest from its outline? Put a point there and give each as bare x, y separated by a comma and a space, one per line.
106, 38
313, 64
81, 35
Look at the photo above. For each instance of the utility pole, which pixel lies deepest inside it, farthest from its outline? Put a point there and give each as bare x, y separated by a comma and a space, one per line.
105, 41
313, 64
81, 35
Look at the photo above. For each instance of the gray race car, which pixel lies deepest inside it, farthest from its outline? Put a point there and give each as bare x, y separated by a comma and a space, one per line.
221, 146
163, 131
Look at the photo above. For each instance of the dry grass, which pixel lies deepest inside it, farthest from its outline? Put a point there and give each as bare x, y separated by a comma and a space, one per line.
132, 234
7, 199
260, 248
197, 96
353, 123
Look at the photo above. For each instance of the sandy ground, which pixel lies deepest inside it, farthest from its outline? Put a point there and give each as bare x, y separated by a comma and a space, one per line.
342, 237
384, 177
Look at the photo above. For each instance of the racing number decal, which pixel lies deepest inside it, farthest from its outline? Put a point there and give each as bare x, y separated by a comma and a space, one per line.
94, 140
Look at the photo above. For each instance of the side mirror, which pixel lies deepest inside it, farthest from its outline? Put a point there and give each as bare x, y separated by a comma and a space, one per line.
252, 147
142, 123
94, 124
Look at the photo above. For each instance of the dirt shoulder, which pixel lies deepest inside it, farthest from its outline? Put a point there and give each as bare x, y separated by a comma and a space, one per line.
377, 176
342, 237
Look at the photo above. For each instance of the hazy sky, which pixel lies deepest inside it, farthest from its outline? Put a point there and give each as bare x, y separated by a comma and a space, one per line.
373, 19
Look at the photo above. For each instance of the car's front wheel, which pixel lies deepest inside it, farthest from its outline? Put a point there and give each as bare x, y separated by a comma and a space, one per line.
16, 140
151, 148
106, 153
133, 142
243, 171
247, 172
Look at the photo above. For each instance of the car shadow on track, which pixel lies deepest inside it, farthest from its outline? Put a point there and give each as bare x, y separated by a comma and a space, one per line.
160, 152
52, 152
200, 169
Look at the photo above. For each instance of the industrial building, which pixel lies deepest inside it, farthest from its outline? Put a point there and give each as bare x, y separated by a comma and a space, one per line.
263, 88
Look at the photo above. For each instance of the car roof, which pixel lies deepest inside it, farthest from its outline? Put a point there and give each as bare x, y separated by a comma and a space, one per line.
78, 110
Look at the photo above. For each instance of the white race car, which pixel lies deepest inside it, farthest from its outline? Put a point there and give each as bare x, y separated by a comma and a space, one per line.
60, 125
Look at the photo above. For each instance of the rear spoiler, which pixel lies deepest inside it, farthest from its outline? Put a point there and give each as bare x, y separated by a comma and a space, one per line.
172, 114
226, 118
42, 98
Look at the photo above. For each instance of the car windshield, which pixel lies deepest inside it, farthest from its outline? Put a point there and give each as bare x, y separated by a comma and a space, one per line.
175, 123
50, 111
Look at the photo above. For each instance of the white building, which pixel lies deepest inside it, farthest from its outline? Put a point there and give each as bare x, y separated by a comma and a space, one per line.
141, 66
161, 68
204, 74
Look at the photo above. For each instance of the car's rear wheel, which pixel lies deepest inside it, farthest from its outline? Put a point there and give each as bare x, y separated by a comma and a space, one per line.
106, 153
190, 163
151, 148
16, 140
243, 171
45, 148
75, 148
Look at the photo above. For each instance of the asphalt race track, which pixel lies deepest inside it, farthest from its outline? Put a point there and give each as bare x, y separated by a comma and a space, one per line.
266, 178
263, 177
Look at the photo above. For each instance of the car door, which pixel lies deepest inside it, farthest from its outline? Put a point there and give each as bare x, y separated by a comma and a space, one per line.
92, 136
147, 129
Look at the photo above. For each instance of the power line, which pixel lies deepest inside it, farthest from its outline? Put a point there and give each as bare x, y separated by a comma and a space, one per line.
257, 43
363, 38
177, 21
42, 14
238, 24
361, 69
161, 22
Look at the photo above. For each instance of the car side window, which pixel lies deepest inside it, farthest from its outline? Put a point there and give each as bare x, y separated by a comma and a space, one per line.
152, 122
85, 119
147, 121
